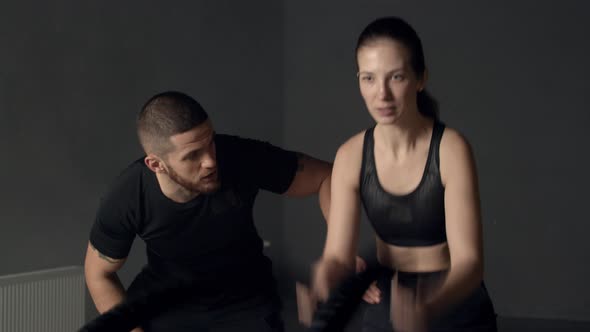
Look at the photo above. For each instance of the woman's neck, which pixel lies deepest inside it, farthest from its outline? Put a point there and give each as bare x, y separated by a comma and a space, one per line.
401, 137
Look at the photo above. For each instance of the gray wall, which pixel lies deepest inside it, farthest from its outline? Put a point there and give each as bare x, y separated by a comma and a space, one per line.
73, 76
512, 77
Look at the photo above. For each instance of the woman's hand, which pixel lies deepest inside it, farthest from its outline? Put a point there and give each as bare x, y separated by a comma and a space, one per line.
326, 275
408, 312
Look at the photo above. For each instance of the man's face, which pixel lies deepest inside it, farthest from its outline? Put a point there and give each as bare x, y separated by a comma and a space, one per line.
192, 162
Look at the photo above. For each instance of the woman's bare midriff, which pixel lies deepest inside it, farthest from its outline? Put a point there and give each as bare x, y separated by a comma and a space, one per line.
432, 258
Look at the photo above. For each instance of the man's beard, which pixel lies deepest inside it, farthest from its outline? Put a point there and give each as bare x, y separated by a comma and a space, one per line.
195, 188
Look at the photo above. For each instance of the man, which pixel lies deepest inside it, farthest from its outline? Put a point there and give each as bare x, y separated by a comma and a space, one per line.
190, 199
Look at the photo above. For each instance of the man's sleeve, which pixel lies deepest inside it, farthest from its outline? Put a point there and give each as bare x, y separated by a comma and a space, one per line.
113, 231
267, 166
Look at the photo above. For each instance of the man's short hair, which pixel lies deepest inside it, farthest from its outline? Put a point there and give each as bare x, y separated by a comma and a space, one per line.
164, 115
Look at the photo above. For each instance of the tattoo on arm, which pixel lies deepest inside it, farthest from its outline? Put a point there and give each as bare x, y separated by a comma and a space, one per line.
101, 255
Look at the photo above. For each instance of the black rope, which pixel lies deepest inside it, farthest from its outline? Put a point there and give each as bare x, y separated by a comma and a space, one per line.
335, 313
135, 310
330, 316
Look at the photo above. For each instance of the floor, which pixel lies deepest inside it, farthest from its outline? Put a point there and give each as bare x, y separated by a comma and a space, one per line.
505, 324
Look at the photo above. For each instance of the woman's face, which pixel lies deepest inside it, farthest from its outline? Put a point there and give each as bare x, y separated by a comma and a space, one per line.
387, 81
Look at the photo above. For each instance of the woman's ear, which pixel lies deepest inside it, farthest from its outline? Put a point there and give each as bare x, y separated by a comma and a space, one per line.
422, 81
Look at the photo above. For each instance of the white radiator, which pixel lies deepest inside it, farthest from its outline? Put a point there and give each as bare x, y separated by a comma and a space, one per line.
43, 301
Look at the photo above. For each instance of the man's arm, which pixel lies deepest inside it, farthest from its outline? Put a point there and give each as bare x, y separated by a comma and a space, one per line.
103, 283
102, 280
312, 176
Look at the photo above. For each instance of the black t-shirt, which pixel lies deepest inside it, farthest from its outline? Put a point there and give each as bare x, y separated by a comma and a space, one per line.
213, 236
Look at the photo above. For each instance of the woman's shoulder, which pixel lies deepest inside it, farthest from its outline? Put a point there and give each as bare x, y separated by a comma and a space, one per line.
352, 148
349, 158
453, 143
456, 155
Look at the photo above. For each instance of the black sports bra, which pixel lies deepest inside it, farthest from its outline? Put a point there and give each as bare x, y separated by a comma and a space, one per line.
413, 219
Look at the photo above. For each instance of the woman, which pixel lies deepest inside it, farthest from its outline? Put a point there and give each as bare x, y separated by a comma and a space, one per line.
417, 182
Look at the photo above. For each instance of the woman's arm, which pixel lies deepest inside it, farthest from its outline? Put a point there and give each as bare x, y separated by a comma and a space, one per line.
463, 223
340, 249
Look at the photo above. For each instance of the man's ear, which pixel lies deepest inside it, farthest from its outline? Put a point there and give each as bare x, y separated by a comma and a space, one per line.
155, 163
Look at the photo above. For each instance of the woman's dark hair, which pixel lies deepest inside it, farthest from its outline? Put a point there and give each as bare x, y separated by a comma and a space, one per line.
399, 30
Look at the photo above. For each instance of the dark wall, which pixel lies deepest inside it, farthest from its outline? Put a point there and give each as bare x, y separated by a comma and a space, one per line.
511, 76
73, 76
